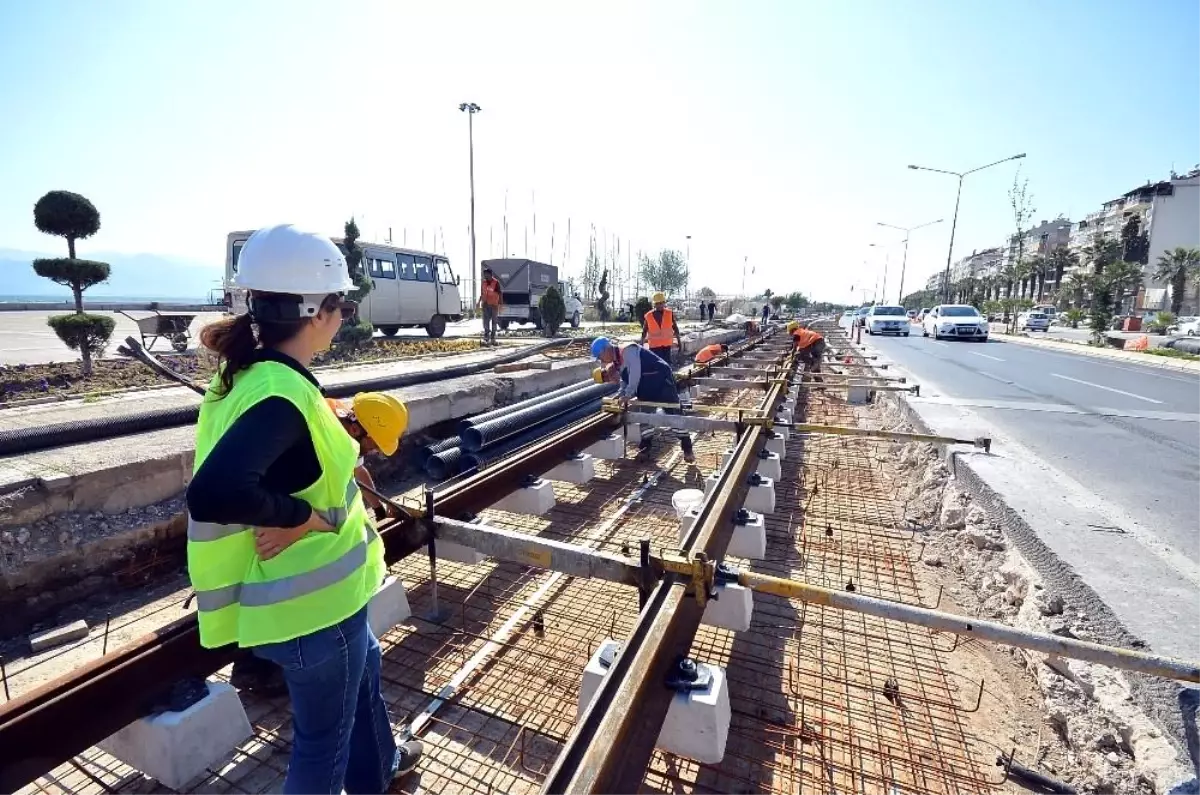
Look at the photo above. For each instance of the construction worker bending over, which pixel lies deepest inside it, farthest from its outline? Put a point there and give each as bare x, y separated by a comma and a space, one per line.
376, 421
645, 376
658, 329
281, 553
710, 352
809, 346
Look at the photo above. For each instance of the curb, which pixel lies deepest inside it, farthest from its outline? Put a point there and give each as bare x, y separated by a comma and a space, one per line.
1113, 355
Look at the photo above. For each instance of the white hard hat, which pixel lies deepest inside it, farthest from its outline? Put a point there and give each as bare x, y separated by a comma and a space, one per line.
284, 259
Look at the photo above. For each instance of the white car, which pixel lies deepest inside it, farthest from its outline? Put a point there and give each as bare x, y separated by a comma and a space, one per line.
1034, 321
574, 310
955, 321
1189, 326
887, 320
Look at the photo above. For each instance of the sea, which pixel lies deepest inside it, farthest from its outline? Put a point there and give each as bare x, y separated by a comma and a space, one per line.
114, 299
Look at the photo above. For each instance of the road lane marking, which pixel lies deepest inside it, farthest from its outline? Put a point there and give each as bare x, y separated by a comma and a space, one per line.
984, 355
943, 344
995, 377
1107, 388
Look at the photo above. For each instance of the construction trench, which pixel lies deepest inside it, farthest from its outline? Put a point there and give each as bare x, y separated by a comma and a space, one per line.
576, 656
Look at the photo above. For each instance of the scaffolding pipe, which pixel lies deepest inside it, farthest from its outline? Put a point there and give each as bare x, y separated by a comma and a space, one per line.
1111, 656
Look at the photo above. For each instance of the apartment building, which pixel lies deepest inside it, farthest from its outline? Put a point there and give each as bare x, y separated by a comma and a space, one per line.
1170, 217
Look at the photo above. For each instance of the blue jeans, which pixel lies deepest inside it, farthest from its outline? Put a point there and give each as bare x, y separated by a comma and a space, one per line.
341, 735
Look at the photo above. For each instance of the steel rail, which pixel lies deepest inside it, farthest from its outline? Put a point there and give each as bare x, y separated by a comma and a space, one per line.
611, 745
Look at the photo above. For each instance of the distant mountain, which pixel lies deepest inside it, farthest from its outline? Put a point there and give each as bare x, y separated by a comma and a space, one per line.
133, 276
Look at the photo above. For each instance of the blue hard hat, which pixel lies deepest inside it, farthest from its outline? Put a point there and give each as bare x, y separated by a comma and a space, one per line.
599, 346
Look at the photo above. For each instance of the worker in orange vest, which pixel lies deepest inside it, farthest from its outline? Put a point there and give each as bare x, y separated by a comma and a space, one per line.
489, 302
710, 352
658, 329
809, 346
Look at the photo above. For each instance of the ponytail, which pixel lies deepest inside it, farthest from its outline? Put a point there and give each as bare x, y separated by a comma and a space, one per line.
234, 343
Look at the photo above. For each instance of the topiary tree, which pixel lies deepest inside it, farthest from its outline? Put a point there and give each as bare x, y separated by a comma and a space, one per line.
640, 308
602, 298
71, 216
355, 331
553, 310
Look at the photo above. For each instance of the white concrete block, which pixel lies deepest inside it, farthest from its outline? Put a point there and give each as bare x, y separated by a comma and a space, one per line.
686, 522
783, 415
857, 395
732, 609
389, 606
610, 448
176, 747
726, 457
697, 723
534, 500
749, 539
786, 433
710, 482
770, 465
58, 636
577, 470
760, 497
634, 433
789, 405
776, 444
459, 553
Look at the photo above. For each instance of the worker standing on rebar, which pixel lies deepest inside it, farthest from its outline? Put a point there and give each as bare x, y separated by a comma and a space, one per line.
645, 376
712, 311
659, 328
281, 554
490, 297
809, 346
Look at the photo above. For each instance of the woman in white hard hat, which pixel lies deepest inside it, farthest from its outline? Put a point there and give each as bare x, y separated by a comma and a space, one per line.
281, 554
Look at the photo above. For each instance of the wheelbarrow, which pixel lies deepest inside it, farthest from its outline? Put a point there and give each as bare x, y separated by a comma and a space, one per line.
174, 328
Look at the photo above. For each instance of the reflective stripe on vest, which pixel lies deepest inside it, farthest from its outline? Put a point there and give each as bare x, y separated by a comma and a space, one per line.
660, 335
211, 531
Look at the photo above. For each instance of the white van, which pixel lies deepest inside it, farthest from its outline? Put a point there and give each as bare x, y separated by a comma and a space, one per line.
409, 289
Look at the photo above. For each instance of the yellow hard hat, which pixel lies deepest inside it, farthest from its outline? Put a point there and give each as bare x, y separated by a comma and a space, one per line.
658, 298
383, 417
598, 375
793, 326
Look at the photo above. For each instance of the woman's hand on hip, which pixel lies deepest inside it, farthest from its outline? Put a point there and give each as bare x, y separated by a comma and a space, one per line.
270, 541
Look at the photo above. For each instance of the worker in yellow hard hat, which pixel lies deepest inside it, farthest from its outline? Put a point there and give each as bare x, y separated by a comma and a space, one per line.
658, 328
376, 421
793, 326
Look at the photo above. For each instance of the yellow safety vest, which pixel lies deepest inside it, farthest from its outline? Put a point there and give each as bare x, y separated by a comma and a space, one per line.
321, 579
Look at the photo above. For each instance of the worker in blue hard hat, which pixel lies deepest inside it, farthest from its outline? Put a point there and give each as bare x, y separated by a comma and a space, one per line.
645, 376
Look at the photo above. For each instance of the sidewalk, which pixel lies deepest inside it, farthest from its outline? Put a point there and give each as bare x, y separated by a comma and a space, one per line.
1083, 349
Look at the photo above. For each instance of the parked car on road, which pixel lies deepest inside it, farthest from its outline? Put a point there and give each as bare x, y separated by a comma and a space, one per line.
956, 321
1187, 325
912, 314
923, 314
887, 320
1033, 321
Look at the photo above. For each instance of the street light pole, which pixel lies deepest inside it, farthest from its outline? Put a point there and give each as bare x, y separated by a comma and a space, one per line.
957, 200
908, 230
470, 108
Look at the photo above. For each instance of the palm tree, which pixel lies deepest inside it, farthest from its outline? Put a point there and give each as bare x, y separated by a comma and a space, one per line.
1022, 271
1061, 259
1075, 286
1175, 267
1039, 268
1122, 276
1102, 252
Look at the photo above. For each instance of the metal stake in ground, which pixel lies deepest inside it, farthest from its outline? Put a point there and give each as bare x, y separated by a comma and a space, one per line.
435, 615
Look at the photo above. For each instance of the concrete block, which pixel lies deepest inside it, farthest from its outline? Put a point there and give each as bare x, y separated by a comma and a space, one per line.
789, 405
786, 433
776, 444
710, 482
760, 497
686, 522
535, 499
459, 553
732, 609
176, 747
697, 723
857, 395
578, 469
634, 433
58, 636
749, 539
726, 457
610, 448
783, 415
770, 465
389, 606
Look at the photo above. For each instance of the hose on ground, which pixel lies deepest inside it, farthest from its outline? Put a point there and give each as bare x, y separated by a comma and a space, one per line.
28, 440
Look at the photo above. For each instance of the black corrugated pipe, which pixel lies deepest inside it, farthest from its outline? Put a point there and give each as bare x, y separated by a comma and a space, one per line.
524, 404
26, 440
424, 453
480, 436
444, 464
528, 436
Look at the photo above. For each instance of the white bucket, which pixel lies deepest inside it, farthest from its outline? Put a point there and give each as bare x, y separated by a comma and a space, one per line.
686, 499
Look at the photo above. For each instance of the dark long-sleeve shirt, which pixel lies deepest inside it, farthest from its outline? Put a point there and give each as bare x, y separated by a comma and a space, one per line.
265, 456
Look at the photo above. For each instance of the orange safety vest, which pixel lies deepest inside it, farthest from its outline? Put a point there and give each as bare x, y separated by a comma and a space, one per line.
660, 335
708, 353
491, 292
805, 338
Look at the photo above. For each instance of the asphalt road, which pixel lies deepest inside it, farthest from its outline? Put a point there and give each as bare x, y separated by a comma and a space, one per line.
1130, 433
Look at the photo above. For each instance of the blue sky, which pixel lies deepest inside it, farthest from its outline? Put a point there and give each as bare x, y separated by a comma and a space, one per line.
777, 132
